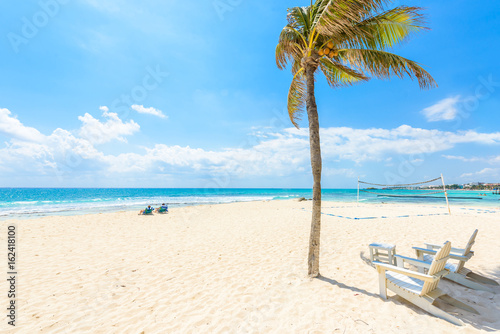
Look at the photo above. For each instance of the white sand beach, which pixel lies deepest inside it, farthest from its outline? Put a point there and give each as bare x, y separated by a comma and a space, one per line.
238, 268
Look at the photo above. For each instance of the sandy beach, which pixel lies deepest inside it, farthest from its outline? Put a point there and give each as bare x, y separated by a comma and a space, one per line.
238, 268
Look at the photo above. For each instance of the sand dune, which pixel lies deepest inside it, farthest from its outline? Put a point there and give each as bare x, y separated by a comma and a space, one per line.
238, 268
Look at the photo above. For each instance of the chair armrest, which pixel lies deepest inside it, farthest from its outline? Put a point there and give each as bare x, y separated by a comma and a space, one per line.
433, 252
442, 273
432, 246
459, 257
458, 251
415, 262
425, 250
390, 267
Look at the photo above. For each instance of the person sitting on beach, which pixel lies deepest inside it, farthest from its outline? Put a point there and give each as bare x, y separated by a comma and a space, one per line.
147, 211
162, 209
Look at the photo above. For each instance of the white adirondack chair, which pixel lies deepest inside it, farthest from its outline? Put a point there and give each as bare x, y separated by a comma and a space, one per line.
418, 288
458, 272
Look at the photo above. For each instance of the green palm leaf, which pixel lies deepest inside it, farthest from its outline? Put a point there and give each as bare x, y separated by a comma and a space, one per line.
337, 17
297, 97
383, 65
386, 29
299, 17
338, 75
290, 47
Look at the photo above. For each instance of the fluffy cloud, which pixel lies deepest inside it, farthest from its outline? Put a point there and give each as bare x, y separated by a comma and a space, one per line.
32, 152
490, 160
151, 111
347, 172
97, 132
444, 110
14, 129
232, 161
375, 144
486, 173
285, 152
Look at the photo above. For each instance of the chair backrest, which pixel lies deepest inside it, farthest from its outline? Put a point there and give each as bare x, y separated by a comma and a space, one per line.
467, 250
436, 266
470, 243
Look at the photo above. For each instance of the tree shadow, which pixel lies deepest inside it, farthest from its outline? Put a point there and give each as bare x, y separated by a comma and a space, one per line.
345, 286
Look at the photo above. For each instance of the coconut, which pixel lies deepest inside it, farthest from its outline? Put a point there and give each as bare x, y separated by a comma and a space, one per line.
326, 51
321, 53
330, 45
335, 53
331, 54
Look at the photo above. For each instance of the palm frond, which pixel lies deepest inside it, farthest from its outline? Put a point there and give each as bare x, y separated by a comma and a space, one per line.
337, 17
290, 46
383, 65
338, 75
386, 29
297, 97
298, 17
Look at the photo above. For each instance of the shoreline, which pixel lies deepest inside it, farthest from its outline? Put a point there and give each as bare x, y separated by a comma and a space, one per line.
29, 204
78, 213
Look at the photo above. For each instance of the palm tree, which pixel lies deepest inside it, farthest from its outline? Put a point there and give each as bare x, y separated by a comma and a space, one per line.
348, 41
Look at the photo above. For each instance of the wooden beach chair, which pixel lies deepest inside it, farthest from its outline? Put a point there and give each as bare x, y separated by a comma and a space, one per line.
418, 288
458, 272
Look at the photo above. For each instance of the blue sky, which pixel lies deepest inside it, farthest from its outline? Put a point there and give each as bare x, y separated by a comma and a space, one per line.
187, 94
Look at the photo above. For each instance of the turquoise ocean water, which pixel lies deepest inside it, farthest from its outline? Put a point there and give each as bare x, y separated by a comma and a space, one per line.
39, 202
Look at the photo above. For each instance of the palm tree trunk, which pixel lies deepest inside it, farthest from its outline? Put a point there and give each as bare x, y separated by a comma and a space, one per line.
311, 64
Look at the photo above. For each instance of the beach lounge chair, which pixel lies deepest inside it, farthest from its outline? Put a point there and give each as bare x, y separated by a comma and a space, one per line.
458, 273
418, 288
162, 209
148, 211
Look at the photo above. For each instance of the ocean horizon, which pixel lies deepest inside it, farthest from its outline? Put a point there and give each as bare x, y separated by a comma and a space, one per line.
26, 203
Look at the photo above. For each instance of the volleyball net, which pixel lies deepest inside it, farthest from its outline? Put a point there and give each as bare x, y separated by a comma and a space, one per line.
425, 189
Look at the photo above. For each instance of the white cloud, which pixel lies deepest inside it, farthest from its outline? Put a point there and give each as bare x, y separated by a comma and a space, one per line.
444, 110
104, 108
347, 172
36, 154
152, 111
464, 159
13, 128
97, 132
486, 173
282, 153
490, 160
376, 144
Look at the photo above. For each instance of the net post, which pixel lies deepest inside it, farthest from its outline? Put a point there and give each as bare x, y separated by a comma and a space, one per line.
357, 200
445, 194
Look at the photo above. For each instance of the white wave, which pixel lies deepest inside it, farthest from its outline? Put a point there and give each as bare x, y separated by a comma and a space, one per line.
27, 208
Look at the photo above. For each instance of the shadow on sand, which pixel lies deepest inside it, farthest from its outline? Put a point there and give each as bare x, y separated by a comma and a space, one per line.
348, 287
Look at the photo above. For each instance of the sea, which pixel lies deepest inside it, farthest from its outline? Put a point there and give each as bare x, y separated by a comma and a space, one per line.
26, 203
